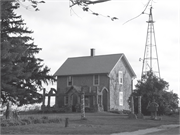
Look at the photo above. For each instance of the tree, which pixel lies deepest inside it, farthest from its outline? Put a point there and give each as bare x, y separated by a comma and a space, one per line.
22, 74
151, 87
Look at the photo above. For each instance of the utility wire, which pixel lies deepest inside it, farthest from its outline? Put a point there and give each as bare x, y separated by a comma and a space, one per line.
139, 14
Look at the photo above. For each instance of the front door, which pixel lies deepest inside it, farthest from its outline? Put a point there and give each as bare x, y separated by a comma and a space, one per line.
74, 102
105, 99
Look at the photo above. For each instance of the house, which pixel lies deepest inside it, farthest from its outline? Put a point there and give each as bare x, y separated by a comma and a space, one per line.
106, 81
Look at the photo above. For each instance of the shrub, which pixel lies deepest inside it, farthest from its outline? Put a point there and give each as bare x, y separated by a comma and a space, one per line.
26, 121
6, 123
16, 123
44, 117
126, 111
3, 124
54, 120
31, 117
44, 121
29, 120
22, 123
10, 123
36, 121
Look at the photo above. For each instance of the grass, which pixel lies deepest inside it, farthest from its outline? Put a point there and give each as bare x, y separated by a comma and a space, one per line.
96, 123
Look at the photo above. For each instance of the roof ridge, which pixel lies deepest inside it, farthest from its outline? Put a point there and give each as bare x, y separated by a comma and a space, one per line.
95, 56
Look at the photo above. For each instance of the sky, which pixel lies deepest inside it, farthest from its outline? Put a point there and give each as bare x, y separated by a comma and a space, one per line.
64, 32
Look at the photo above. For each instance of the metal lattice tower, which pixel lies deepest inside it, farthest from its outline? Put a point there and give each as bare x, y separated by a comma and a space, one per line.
150, 60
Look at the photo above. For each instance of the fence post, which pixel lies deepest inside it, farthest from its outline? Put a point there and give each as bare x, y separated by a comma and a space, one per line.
66, 122
82, 106
139, 115
132, 115
132, 105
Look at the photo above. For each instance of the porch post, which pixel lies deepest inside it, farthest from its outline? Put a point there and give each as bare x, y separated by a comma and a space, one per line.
82, 106
43, 103
49, 100
43, 96
94, 102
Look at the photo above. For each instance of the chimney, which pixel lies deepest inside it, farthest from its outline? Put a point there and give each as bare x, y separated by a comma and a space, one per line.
92, 52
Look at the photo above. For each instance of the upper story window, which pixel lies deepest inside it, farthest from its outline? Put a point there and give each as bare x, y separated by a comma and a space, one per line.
69, 81
120, 77
96, 80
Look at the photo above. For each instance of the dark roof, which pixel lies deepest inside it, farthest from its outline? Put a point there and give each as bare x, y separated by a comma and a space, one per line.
89, 65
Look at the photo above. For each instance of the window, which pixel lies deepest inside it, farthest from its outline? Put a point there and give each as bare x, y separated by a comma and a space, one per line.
65, 100
87, 103
96, 80
121, 98
69, 81
120, 77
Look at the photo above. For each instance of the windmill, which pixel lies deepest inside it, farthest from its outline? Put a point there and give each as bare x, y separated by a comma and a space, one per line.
150, 60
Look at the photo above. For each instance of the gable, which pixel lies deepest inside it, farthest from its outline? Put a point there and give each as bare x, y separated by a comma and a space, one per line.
127, 65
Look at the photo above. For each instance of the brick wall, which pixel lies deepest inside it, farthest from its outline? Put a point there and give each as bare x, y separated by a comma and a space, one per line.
82, 80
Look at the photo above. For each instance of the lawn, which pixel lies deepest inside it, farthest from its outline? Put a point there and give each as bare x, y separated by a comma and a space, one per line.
96, 123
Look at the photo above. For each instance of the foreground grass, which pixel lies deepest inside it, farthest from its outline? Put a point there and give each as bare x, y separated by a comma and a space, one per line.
96, 123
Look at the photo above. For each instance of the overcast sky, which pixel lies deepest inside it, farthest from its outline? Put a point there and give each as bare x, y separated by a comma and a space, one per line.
62, 32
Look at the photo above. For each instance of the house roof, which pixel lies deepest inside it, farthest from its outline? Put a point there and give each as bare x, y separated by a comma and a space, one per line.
91, 65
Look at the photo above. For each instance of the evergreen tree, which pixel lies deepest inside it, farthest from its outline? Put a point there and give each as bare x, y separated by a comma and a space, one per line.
22, 74
151, 87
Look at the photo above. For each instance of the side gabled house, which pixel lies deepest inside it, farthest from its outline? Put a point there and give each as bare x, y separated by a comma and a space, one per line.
107, 81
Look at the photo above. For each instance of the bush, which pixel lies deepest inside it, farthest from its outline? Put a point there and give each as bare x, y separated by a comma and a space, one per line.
22, 123
6, 123
54, 120
117, 111
126, 111
26, 121
16, 123
36, 121
31, 117
30, 120
44, 117
3, 124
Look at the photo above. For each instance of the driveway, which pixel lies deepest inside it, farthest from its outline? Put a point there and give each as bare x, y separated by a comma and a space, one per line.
162, 130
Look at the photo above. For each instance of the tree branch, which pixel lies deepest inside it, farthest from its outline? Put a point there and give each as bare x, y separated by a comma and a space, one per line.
95, 2
87, 2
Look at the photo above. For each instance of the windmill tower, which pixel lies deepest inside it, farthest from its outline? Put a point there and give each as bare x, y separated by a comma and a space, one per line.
150, 60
